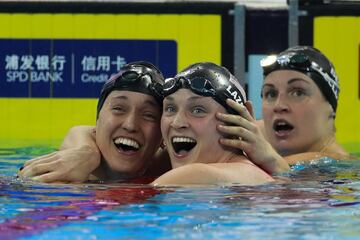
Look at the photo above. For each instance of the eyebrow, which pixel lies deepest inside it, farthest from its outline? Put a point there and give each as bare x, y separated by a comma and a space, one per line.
120, 97
292, 80
151, 102
148, 101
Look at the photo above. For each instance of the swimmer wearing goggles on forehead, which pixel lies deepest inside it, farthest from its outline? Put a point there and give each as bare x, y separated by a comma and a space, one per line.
299, 102
310, 62
136, 77
189, 128
220, 85
125, 139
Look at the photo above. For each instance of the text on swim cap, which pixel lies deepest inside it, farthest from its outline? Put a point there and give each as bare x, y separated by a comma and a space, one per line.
234, 94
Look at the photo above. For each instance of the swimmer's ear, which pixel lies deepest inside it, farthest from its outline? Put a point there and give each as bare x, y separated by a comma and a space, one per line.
332, 115
162, 144
93, 132
249, 107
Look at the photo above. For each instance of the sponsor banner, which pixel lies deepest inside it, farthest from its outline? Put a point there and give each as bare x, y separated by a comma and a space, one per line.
74, 68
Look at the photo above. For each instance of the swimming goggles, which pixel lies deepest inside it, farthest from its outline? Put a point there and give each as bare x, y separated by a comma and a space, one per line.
297, 61
198, 85
201, 86
132, 79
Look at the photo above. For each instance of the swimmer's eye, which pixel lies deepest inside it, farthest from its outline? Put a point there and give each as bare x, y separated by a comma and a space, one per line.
298, 92
118, 109
198, 110
269, 94
169, 108
150, 116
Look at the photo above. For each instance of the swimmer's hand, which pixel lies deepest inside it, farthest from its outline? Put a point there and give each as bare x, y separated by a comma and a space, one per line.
250, 139
71, 165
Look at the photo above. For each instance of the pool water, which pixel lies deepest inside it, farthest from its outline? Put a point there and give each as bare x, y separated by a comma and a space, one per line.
321, 202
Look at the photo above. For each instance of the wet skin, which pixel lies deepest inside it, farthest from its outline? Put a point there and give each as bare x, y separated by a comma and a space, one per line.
296, 115
186, 125
128, 131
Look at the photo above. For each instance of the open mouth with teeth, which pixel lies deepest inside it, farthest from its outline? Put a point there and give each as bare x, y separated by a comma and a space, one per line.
183, 144
282, 126
126, 144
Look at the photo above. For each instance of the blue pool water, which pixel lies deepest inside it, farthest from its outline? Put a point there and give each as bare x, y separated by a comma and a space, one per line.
322, 202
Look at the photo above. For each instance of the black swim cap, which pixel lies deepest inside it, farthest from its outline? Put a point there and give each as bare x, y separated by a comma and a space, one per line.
141, 76
209, 80
311, 62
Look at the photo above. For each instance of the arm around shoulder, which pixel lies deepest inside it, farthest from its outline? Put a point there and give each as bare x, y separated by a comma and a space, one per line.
76, 160
67, 166
79, 136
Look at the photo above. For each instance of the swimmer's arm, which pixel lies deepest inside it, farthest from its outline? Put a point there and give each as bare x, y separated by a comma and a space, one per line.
214, 174
77, 160
71, 165
79, 136
88, 163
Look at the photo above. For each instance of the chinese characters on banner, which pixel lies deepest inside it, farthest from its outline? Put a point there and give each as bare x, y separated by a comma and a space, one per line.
74, 68
41, 68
